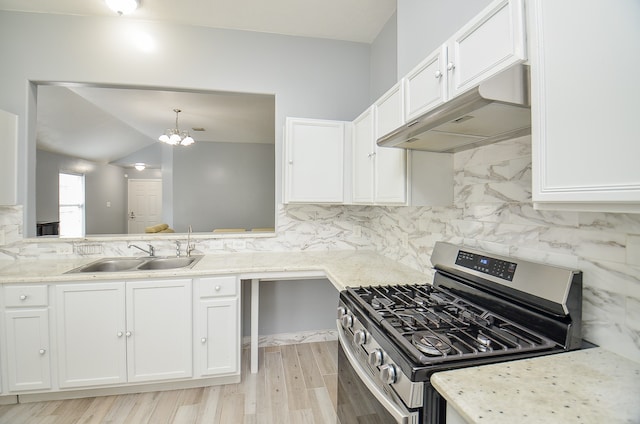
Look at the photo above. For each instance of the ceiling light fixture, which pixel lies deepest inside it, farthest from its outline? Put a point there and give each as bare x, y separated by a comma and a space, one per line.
139, 166
175, 136
122, 7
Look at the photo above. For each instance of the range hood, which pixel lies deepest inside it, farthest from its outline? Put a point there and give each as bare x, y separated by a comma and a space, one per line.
497, 109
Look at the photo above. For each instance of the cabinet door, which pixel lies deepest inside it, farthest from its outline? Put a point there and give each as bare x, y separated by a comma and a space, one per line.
488, 44
314, 162
363, 156
91, 334
28, 349
425, 87
389, 111
584, 118
218, 341
159, 331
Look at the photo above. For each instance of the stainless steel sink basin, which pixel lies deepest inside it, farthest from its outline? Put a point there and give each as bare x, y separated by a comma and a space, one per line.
137, 264
169, 263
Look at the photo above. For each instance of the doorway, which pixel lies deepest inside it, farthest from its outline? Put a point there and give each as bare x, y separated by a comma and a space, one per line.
144, 204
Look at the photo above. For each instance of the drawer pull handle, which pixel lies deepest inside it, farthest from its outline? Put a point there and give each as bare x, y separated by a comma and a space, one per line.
23, 297
43, 351
217, 288
203, 340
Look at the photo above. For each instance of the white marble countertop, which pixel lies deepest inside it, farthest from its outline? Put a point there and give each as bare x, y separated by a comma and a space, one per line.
586, 386
343, 268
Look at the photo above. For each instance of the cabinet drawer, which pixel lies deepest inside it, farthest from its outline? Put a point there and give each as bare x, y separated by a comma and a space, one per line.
217, 286
26, 295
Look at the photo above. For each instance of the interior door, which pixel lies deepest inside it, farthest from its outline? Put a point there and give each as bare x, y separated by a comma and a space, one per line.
144, 204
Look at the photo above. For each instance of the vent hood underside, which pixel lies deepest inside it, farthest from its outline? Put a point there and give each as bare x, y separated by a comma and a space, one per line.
498, 109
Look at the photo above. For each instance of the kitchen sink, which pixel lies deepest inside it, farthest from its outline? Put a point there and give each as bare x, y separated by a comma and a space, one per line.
137, 264
169, 263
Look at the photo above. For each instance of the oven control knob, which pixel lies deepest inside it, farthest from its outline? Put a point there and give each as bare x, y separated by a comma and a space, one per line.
388, 373
376, 357
360, 337
341, 311
347, 320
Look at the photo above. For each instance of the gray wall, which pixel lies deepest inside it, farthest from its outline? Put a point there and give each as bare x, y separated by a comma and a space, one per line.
310, 77
103, 183
291, 306
384, 59
423, 25
223, 185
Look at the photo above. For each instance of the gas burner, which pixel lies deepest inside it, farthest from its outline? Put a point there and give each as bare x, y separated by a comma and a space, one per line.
421, 301
484, 342
430, 344
381, 302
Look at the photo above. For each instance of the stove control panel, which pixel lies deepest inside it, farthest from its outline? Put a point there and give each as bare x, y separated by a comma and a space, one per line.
492, 266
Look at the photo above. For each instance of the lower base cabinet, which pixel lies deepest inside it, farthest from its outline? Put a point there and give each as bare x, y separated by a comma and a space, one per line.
217, 320
110, 333
117, 336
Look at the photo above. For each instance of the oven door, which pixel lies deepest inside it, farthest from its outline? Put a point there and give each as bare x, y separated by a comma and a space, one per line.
361, 398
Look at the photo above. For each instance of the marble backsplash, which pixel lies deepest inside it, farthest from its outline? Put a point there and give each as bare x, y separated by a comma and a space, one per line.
492, 210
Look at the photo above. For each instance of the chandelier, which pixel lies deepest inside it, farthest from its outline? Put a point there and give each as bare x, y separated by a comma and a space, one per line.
176, 137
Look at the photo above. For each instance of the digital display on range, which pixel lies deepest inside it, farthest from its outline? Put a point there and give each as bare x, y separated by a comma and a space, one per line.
492, 266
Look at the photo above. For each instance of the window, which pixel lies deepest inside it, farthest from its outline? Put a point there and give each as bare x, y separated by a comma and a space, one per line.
71, 203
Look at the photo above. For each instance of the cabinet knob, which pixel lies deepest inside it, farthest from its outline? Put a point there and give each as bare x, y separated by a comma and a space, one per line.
23, 297
450, 66
217, 288
128, 334
119, 333
43, 351
290, 162
438, 74
203, 340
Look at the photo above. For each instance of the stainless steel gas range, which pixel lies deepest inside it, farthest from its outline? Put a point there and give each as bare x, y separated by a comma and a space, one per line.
481, 308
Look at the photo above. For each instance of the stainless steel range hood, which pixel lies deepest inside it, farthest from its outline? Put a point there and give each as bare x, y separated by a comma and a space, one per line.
498, 109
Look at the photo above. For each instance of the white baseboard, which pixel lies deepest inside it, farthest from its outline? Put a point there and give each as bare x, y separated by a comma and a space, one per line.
293, 338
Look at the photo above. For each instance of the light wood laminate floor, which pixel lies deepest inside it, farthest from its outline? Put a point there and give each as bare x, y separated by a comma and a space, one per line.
295, 384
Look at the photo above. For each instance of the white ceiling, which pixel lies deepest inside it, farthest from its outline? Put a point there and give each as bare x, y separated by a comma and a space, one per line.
352, 20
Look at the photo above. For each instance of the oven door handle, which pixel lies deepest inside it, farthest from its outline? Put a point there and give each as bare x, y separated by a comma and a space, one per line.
399, 412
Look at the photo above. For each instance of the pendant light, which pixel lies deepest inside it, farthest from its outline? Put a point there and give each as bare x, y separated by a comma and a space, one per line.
175, 137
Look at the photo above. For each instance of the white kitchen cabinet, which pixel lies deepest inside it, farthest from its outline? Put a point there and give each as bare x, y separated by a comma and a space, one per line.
9, 158
91, 331
117, 332
585, 147
379, 173
28, 353
217, 326
426, 85
491, 42
159, 319
26, 329
314, 161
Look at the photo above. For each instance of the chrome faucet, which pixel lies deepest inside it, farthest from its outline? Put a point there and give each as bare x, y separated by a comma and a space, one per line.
151, 252
190, 247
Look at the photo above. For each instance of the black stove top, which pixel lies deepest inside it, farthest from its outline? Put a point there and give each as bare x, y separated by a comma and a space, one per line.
433, 325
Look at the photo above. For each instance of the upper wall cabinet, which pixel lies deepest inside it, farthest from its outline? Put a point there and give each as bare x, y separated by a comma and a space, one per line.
491, 42
9, 158
314, 161
379, 173
584, 114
